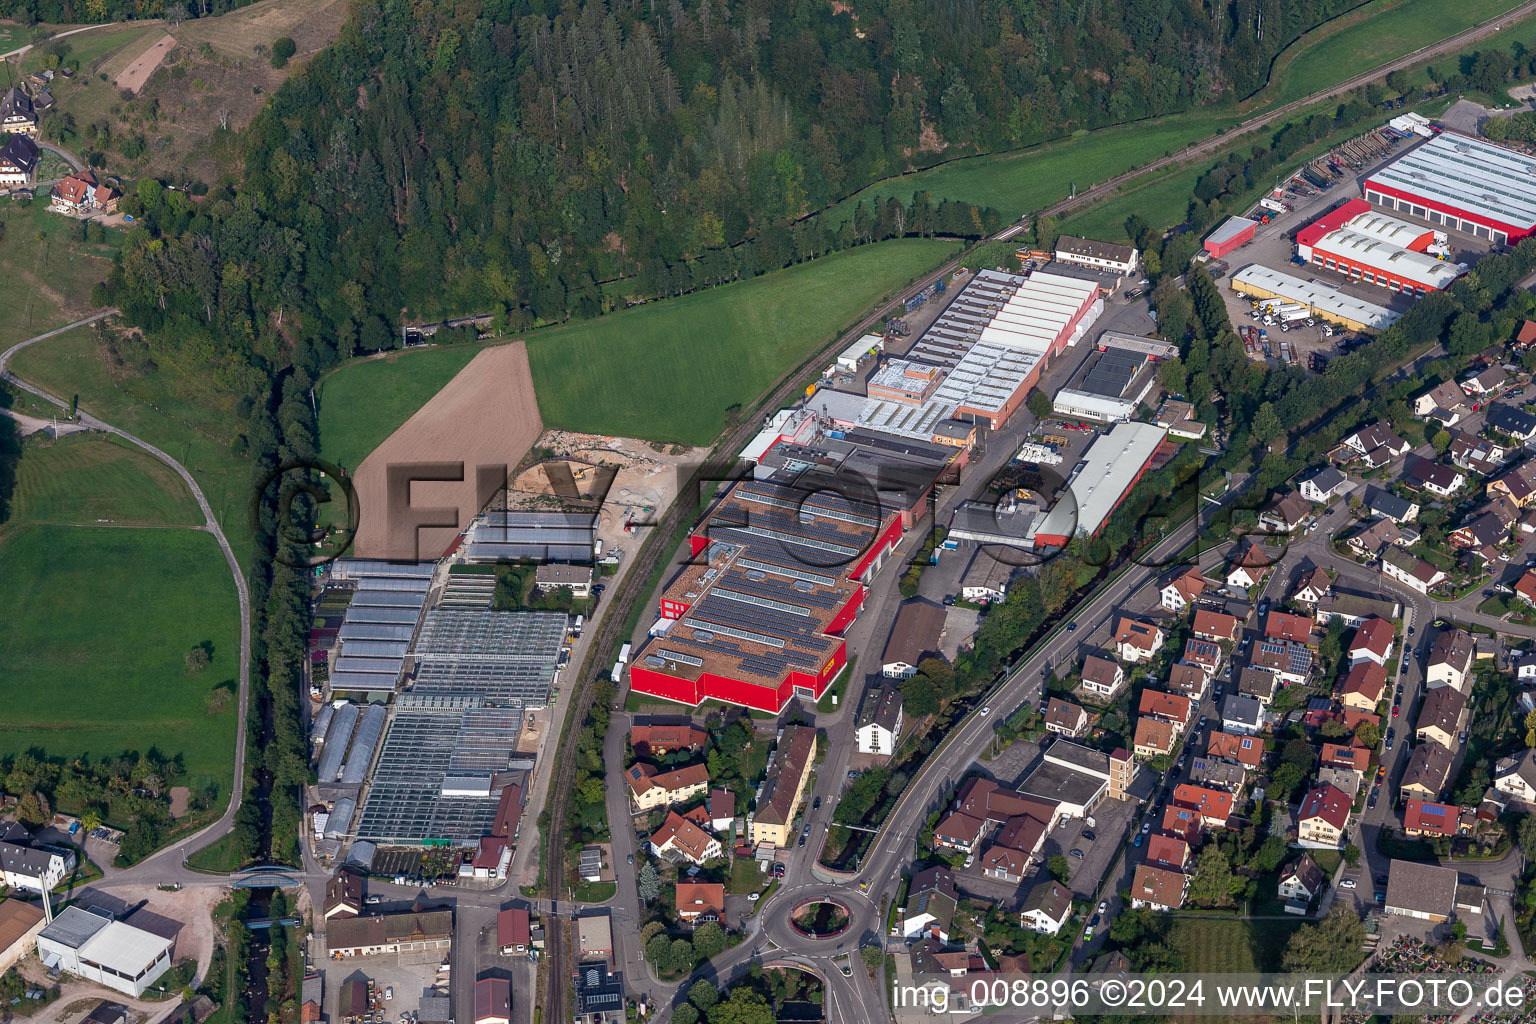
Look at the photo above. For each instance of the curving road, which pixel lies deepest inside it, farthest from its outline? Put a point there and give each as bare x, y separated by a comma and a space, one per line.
170, 855
20, 50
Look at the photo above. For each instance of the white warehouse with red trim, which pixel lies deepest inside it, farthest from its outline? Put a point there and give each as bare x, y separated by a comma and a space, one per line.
1364, 244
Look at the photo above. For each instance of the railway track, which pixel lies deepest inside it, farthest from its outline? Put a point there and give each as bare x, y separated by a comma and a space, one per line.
636, 588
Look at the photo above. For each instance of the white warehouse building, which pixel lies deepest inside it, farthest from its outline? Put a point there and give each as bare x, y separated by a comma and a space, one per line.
97, 948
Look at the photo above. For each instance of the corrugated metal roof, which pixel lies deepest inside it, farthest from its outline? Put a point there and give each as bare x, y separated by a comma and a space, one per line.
1324, 299
1468, 174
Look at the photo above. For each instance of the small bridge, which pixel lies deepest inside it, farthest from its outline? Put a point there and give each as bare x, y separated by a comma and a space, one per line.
266, 876
267, 922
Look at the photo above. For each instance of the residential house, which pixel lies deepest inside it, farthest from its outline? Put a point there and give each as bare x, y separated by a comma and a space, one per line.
1442, 717
1290, 662
722, 810
959, 832
1302, 881
1525, 586
1480, 532
1102, 677
1477, 454
1313, 587
1241, 715
1285, 514
1515, 778
1213, 805
1387, 505
1136, 640
1362, 686
1064, 718
1376, 444
1430, 819
1372, 642
1440, 480
1353, 609
779, 800
1182, 823
663, 738
652, 788
880, 722
1178, 418
493, 1001
599, 993
1153, 738
1158, 888
1339, 755
1174, 708
1248, 565
1168, 852
931, 900
1346, 780
1444, 402
1280, 625
1323, 817
82, 193
680, 839
1190, 680
1409, 570
1426, 892
1258, 684
18, 161
1323, 485
1046, 908
514, 931
1180, 591
1247, 751
1217, 627
1450, 660
698, 902
1518, 485
32, 868
1203, 654
1509, 420
915, 635
343, 896
1376, 538
1485, 382
1014, 847
1429, 768
17, 116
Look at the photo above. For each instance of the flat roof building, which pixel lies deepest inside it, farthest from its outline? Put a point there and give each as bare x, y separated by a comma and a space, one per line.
97, 948
1107, 472
1461, 182
1323, 300
778, 574
1364, 244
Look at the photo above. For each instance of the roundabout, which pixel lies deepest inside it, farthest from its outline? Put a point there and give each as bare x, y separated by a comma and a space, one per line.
821, 917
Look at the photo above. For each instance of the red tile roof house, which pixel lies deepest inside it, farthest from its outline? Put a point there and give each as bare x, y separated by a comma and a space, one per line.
1182, 589
1202, 653
1137, 641
655, 740
513, 931
698, 902
1525, 586
1285, 626
82, 193
1337, 755
1213, 805
1182, 823
1362, 686
1168, 707
1158, 887
1245, 750
1215, 626
1168, 852
1322, 818
1428, 819
1372, 641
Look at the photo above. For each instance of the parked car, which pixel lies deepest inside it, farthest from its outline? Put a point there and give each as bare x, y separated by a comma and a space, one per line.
1146, 827
374, 901
1076, 853
1089, 836
753, 897
1348, 883
631, 858
1103, 906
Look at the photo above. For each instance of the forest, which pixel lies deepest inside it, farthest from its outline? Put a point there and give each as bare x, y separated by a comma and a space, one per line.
540, 161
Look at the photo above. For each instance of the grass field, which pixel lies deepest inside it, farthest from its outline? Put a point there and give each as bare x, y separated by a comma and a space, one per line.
46, 271
1231, 946
670, 371
1375, 35
170, 408
84, 480
1025, 180
369, 399
92, 48
102, 616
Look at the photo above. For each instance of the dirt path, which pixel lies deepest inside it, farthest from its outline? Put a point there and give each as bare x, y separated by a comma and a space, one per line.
136, 74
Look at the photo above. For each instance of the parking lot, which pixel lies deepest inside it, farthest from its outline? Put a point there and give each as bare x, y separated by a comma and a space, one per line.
398, 984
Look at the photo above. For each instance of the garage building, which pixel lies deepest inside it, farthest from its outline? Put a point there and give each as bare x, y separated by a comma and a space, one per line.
1233, 232
1461, 182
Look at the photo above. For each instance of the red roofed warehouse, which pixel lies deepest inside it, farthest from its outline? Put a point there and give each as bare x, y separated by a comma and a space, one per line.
1363, 243
758, 617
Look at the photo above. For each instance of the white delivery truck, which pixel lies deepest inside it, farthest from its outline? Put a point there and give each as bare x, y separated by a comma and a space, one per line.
1290, 316
624, 654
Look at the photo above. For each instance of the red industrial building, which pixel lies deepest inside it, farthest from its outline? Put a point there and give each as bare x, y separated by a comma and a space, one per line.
1461, 182
1234, 231
779, 573
1365, 244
